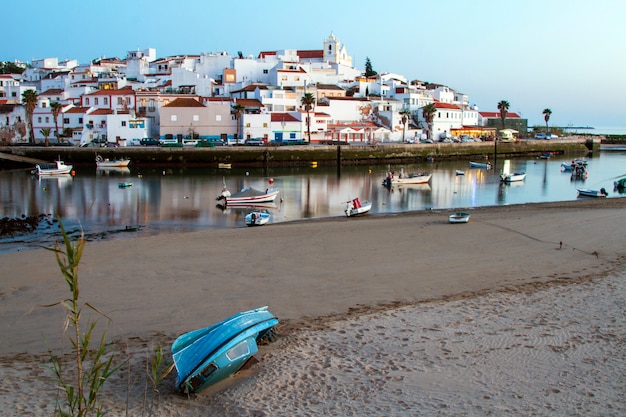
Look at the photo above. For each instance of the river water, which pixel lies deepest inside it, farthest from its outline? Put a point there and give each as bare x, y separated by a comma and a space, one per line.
184, 199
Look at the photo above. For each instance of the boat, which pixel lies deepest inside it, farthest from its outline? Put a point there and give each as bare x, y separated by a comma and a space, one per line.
56, 168
545, 156
620, 184
583, 192
257, 218
111, 163
459, 172
248, 195
125, 184
579, 169
206, 356
355, 207
224, 165
485, 165
516, 176
459, 217
415, 178
566, 167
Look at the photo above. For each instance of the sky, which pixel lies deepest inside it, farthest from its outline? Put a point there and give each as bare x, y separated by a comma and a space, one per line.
565, 55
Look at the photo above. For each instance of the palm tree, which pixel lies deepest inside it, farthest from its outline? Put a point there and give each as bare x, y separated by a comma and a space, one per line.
308, 101
56, 108
46, 132
29, 98
238, 110
428, 113
406, 113
546, 117
503, 106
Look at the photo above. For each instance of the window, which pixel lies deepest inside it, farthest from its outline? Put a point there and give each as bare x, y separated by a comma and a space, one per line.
66, 120
119, 101
44, 105
80, 120
123, 123
247, 124
39, 119
173, 118
95, 101
106, 101
196, 118
264, 124
218, 117
151, 106
87, 101
47, 119
265, 71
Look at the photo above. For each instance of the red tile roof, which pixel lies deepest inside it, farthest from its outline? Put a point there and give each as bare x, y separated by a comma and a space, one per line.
249, 102
449, 106
77, 110
185, 102
101, 112
52, 92
496, 115
283, 117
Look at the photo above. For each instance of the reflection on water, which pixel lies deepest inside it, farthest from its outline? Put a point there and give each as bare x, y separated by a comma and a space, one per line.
185, 198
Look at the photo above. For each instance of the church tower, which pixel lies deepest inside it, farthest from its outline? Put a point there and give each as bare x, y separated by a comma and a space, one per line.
335, 53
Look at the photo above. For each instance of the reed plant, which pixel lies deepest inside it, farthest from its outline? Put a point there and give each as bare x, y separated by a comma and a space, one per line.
81, 383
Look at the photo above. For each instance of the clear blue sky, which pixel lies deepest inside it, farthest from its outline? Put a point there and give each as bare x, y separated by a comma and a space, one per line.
566, 55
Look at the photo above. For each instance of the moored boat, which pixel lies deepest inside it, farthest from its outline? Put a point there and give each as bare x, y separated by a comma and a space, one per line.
459, 217
248, 195
620, 184
515, 176
111, 163
206, 356
257, 218
582, 192
402, 178
125, 184
355, 207
485, 165
56, 168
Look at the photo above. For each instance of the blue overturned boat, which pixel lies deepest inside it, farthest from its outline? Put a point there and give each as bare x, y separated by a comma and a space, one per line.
206, 356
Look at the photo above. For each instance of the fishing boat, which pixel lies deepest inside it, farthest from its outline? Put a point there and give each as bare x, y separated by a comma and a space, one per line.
402, 178
56, 168
257, 218
206, 356
355, 207
485, 165
459, 217
247, 195
582, 192
125, 184
516, 176
111, 163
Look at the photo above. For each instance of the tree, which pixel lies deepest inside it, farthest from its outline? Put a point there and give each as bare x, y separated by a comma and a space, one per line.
238, 110
56, 108
308, 100
406, 114
428, 113
46, 133
29, 98
10, 68
369, 71
546, 117
503, 106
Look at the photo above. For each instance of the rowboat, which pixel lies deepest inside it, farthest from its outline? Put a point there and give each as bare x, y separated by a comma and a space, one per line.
355, 207
56, 168
516, 176
402, 178
247, 195
257, 218
582, 192
485, 165
459, 172
111, 163
459, 217
206, 356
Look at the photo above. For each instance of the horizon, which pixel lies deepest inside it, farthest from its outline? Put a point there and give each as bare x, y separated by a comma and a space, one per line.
559, 55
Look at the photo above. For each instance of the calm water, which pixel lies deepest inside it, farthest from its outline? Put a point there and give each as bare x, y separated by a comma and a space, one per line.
185, 199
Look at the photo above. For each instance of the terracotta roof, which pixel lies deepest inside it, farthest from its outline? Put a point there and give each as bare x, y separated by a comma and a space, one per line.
185, 102
77, 110
252, 87
441, 105
496, 115
283, 117
122, 91
52, 92
101, 112
249, 102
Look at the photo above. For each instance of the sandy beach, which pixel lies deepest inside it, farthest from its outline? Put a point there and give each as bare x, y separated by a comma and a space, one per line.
519, 312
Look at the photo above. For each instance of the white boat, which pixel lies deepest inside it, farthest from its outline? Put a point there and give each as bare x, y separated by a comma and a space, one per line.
257, 218
56, 168
459, 172
459, 217
582, 192
566, 167
111, 163
355, 207
516, 176
224, 165
248, 195
485, 165
402, 178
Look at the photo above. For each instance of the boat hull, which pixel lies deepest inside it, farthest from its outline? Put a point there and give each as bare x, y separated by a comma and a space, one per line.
480, 165
248, 196
459, 217
592, 193
257, 218
58, 168
517, 176
360, 209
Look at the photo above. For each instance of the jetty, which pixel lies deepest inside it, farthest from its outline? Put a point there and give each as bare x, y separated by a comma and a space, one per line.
21, 159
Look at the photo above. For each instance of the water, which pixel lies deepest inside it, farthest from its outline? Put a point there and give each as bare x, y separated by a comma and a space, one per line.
185, 199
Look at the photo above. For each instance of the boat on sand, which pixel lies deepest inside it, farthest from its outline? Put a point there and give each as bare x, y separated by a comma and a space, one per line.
257, 218
459, 217
583, 192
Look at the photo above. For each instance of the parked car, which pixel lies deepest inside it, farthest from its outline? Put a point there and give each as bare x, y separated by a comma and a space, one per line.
149, 142
541, 136
552, 136
255, 141
112, 145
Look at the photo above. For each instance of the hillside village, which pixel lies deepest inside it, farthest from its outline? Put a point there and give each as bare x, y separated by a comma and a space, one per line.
284, 96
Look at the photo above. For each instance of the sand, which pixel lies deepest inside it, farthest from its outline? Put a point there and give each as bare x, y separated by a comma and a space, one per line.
519, 312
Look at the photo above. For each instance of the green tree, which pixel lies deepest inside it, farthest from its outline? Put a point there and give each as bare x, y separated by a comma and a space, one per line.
503, 106
406, 114
46, 133
56, 108
10, 68
29, 98
308, 101
369, 71
428, 113
238, 111
546, 116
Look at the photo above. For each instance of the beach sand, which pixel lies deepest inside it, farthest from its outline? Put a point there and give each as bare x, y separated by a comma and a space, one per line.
518, 312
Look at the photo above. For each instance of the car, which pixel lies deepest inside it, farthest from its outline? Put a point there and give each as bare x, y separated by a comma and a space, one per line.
149, 142
541, 136
255, 141
552, 136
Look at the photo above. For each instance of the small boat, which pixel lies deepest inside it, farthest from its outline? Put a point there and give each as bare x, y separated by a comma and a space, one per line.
125, 184
206, 356
459, 217
459, 172
257, 218
546, 156
56, 168
224, 165
355, 207
516, 176
485, 165
248, 195
582, 192
566, 167
620, 184
111, 163
416, 178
